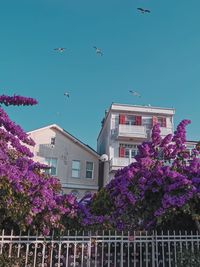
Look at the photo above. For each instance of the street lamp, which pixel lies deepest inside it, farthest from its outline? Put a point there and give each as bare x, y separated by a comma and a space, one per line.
104, 170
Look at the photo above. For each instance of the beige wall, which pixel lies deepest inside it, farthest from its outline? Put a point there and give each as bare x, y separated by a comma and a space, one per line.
66, 150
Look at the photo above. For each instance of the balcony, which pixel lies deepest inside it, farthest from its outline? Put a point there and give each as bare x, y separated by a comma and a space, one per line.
118, 163
132, 131
165, 131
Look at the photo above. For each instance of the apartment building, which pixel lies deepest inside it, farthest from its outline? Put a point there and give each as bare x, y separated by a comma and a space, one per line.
73, 162
190, 145
124, 127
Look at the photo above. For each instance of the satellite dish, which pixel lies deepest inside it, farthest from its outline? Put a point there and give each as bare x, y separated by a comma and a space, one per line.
104, 158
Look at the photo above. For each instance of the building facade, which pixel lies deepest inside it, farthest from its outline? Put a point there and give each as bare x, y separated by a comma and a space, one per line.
190, 145
73, 162
124, 127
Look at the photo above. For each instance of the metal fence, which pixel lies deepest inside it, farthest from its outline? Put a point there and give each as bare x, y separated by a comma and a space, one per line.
105, 249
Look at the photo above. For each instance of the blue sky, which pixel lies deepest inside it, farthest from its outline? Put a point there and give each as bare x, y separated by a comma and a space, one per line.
156, 54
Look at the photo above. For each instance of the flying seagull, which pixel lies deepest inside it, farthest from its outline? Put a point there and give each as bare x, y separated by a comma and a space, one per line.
98, 51
66, 94
142, 10
134, 93
60, 49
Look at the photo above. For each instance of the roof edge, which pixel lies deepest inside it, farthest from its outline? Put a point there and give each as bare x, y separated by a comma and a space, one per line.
63, 131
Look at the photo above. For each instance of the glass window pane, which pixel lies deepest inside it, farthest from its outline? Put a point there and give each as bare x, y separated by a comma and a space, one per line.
126, 152
51, 162
75, 173
89, 169
53, 171
89, 165
75, 164
88, 174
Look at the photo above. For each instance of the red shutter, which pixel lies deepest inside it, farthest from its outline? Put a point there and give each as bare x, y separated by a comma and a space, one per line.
121, 152
164, 122
138, 120
122, 119
154, 120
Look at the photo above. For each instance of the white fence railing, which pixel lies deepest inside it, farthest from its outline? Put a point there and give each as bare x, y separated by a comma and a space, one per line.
117, 162
132, 131
108, 249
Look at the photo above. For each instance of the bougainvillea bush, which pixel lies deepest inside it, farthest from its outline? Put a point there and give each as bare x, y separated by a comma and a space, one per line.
29, 199
160, 189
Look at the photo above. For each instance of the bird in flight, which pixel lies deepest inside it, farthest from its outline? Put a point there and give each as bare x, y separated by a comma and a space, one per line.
66, 94
134, 93
60, 49
142, 10
98, 51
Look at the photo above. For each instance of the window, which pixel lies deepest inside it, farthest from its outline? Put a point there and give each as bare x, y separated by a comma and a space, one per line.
53, 141
134, 152
89, 169
52, 163
76, 169
129, 151
130, 120
162, 121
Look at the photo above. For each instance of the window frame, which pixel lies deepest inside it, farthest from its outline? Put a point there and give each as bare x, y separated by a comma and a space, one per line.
87, 170
49, 160
76, 169
129, 149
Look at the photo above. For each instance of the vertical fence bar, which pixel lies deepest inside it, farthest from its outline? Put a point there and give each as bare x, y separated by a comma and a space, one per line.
169, 247
156, 250
19, 245
89, 250
192, 241
122, 250
163, 249
109, 240
43, 252
82, 253
51, 245
175, 254
10, 244
140, 246
186, 243
197, 234
181, 246
96, 250
147, 249
67, 254
153, 250
75, 247
128, 247
27, 250
115, 252
102, 251
134, 250
2, 241
35, 251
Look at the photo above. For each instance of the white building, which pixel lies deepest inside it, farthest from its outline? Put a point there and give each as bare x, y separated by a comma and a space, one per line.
126, 126
191, 145
73, 162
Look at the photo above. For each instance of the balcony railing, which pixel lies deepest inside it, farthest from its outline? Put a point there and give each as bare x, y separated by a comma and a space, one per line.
165, 131
117, 163
137, 131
